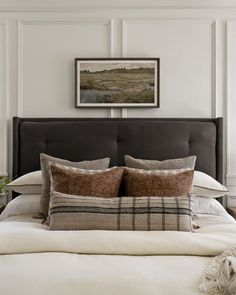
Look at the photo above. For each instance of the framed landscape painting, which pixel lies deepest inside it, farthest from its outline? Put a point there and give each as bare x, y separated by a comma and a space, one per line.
117, 82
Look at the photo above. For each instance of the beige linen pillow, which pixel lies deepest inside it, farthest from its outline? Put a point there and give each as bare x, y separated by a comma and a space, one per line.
30, 183
206, 186
75, 181
99, 164
188, 162
69, 212
21, 205
163, 183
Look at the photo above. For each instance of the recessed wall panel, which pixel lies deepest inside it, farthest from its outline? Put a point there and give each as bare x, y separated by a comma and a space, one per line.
46, 59
186, 51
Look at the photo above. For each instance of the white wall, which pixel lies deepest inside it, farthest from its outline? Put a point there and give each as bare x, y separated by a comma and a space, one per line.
195, 40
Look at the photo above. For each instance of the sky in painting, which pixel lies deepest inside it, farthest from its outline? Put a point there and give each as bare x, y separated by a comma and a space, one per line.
101, 66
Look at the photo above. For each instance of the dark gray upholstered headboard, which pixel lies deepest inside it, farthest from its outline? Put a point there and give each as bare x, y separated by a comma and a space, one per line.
86, 139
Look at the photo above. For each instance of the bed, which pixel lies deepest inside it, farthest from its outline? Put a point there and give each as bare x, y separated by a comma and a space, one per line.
35, 260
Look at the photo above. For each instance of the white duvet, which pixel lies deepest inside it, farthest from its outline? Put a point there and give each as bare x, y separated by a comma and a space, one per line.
37, 261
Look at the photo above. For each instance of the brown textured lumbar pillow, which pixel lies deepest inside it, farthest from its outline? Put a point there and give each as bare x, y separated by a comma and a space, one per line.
69, 212
99, 164
74, 181
164, 183
186, 163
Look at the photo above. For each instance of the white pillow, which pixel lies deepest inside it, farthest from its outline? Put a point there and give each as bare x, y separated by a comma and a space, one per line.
203, 185
23, 204
30, 183
210, 206
206, 186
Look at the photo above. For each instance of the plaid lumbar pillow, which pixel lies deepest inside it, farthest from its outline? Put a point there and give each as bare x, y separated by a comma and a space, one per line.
69, 212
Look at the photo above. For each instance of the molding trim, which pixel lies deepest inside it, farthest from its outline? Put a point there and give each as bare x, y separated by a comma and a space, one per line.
84, 8
19, 68
231, 184
5, 98
124, 113
214, 75
230, 178
110, 23
214, 33
227, 90
23, 22
110, 113
232, 192
124, 37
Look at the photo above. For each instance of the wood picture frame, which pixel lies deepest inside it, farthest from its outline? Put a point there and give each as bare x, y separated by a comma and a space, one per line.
117, 82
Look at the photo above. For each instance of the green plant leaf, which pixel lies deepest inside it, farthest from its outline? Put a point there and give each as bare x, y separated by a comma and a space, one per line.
3, 182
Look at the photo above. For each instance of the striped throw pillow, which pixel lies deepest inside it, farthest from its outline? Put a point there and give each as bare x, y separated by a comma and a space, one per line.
69, 212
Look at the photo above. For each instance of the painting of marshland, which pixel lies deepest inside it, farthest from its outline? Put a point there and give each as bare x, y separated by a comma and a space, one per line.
117, 82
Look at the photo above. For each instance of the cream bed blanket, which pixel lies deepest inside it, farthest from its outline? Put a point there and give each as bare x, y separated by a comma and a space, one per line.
24, 237
37, 261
